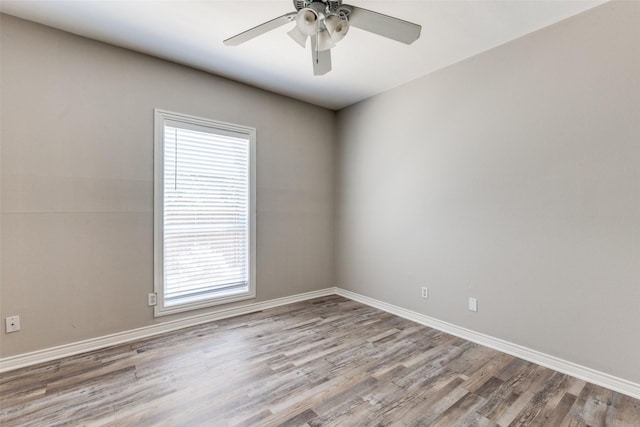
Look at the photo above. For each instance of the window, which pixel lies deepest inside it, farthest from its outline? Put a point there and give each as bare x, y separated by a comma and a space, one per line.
204, 212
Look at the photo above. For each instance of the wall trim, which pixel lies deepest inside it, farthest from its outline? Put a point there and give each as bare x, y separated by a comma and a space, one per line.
72, 349
582, 372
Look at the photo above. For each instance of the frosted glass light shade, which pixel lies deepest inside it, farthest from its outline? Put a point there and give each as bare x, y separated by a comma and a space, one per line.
307, 21
324, 41
337, 27
298, 36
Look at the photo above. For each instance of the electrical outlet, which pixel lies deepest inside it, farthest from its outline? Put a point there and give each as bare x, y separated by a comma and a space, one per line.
152, 299
12, 323
425, 292
473, 304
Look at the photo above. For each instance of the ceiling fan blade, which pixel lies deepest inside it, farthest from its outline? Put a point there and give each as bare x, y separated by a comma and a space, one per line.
321, 58
260, 29
384, 25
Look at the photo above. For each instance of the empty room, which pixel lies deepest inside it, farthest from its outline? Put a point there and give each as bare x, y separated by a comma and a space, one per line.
320, 213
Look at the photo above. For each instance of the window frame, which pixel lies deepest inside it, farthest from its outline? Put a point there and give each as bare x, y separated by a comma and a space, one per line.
161, 117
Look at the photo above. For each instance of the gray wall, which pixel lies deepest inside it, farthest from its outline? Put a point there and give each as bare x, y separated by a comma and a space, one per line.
512, 177
77, 183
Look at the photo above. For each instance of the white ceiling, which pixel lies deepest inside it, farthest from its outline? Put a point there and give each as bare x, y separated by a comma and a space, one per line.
364, 64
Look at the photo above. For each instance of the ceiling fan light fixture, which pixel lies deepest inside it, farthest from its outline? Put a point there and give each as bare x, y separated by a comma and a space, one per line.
327, 22
337, 27
298, 36
307, 21
325, 42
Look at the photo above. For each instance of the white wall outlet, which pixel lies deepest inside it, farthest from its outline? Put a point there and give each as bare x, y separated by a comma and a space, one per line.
425, 292
152, 299
473, 304
12, 323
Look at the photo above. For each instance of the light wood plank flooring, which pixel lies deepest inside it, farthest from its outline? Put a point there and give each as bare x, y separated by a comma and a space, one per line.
324, 362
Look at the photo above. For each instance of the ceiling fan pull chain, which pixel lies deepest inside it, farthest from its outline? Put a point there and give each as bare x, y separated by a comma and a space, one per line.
318, 46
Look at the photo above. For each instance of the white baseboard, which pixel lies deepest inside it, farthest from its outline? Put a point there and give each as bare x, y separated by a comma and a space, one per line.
48, 354
587, 374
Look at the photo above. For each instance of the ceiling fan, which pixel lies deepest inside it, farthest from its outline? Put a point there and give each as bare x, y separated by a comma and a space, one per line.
326, 22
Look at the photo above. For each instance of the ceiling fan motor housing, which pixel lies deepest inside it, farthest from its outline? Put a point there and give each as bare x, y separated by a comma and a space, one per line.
332, 6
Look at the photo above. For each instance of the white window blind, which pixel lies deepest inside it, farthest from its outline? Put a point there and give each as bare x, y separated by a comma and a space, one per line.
206, 212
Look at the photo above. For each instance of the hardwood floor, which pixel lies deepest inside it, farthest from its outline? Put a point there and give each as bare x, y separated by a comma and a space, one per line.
325, 362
